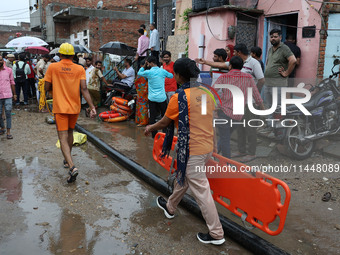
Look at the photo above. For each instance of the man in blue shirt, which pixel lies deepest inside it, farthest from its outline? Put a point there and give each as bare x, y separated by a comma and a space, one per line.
154, 42
156, 88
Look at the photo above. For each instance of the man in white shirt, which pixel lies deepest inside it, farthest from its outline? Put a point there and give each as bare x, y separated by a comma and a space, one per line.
127, 77
154, 44
250, 64
88, 68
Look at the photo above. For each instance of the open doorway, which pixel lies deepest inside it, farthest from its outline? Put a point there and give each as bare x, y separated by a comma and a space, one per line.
286, 23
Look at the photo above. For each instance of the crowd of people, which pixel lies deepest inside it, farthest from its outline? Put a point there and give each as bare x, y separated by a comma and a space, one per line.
164, 89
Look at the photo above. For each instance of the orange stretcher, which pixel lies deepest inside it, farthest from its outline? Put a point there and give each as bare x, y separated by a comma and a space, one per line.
252, 195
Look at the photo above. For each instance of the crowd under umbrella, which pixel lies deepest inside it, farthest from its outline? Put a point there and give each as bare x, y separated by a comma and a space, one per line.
118, 48
26, 41
37, 50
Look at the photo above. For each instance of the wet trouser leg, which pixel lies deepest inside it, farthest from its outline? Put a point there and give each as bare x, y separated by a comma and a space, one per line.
198, 183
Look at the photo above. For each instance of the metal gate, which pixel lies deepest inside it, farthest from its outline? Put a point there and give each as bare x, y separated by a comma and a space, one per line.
246, 31
164, 21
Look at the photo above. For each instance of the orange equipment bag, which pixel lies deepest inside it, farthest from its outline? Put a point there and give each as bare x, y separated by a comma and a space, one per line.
252, 195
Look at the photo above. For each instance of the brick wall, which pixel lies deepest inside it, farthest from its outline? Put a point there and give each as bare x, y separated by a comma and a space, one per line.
4, 35
139, 6
106, 30
101, 30
62, 30
323, 34
323, 41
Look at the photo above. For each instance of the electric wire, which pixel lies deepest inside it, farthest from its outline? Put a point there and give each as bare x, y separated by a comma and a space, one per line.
13, 14
14, 10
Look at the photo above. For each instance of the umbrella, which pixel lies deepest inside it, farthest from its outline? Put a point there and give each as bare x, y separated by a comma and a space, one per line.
81, 49
77, 49
118, 48
37, 50
54, 51
25, 41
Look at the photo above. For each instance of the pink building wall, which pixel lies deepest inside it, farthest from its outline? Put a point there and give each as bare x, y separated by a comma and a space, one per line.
220, 21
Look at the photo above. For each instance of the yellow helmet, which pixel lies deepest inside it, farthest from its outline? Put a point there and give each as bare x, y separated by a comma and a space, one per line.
66, 49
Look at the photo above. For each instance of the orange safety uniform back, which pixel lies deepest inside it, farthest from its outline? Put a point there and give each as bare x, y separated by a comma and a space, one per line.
65, 77
201, 126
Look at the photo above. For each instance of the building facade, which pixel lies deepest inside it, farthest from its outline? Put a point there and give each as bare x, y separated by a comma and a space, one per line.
250, 21
8, 32
90, 23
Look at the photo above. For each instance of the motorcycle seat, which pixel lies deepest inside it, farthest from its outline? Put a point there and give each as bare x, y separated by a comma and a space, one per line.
309, 105
316, 100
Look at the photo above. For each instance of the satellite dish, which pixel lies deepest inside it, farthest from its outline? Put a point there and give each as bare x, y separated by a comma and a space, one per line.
100, 5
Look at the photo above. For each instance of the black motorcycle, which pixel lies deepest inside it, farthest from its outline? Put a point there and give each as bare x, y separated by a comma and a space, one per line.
324, 106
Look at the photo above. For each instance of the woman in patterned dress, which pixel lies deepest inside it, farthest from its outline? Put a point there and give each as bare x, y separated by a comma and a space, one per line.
142, 110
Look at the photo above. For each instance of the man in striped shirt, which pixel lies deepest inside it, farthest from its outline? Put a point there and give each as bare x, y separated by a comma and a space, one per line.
252, 67
243, 81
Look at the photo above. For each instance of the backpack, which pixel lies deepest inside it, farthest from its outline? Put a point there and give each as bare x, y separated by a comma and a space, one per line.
20, 73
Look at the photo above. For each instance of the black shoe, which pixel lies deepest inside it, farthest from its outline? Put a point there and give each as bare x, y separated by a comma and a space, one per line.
161, 202
206, 238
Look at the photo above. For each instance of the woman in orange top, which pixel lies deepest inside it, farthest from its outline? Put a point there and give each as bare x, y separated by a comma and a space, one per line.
195, 146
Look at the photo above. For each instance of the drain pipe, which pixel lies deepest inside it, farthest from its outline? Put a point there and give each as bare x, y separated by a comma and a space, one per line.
201, 50
245, 238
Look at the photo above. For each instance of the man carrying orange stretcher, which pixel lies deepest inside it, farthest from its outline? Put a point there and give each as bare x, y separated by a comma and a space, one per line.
193, 151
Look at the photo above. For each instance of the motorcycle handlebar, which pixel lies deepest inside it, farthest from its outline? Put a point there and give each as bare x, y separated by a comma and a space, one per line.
334, 74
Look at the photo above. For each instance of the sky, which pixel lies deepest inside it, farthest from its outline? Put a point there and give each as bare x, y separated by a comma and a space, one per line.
13, 11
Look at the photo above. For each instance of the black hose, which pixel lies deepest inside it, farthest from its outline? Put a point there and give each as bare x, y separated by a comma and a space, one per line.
245, 238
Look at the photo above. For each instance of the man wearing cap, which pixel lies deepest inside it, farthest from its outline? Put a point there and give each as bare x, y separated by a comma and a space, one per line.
10, 60
55, 59
81, 60
66, 80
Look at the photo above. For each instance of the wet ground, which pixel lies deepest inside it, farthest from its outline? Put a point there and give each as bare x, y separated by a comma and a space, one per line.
312, 226
107, 211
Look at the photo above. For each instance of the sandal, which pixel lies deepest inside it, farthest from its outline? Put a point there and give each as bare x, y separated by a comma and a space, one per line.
326, 197
73, 174
66, 165
9, 137
2, 131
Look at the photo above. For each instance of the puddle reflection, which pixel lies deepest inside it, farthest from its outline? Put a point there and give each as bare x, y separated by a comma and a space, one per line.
10, 182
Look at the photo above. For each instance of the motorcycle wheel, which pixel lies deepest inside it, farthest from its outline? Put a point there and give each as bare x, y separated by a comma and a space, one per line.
296, 148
